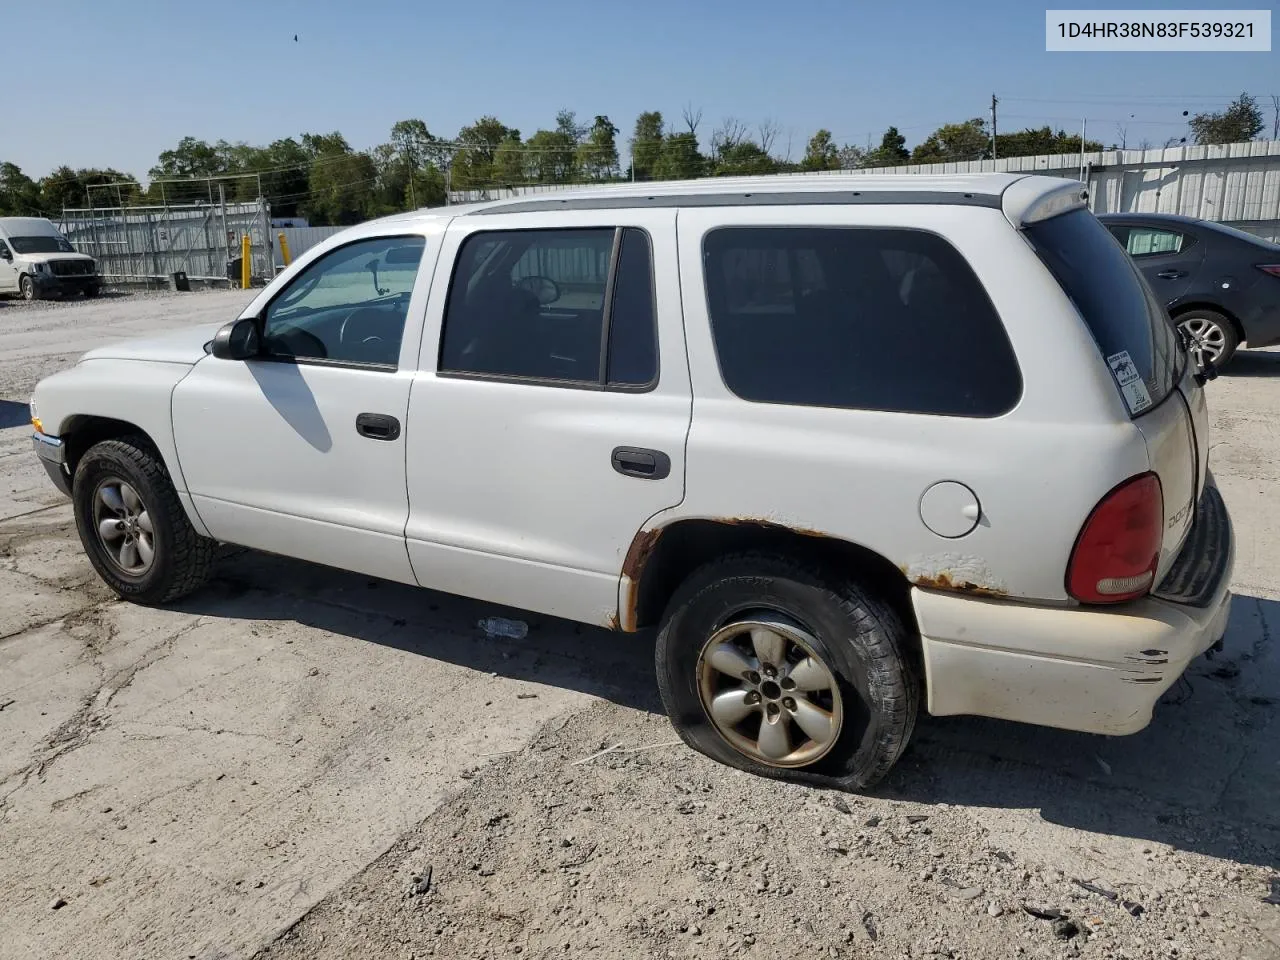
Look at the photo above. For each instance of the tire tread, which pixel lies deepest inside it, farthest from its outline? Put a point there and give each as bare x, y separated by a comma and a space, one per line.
193, 556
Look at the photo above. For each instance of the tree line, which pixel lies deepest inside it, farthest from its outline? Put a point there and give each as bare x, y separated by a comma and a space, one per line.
321, 177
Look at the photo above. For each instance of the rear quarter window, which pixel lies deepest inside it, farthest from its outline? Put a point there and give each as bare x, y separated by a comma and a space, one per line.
858, 318
1130, 325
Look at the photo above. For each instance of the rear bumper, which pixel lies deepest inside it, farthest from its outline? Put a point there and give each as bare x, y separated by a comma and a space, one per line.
53, 457
1093, 669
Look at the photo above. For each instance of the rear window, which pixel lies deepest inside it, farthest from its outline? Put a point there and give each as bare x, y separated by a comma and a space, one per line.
1131, 326
856, 317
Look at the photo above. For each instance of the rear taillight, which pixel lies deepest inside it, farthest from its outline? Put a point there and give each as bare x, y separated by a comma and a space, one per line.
1271, 268
1116, 554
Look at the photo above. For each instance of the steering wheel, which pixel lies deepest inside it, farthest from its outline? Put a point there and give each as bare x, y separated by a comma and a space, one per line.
342, 329
544, 288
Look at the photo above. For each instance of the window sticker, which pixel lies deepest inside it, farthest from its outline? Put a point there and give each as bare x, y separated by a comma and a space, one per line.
1131, 385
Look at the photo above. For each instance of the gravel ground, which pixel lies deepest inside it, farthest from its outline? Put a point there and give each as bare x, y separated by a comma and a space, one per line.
302, 763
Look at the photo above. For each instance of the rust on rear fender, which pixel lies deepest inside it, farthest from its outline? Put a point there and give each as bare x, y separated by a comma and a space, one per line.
646, 541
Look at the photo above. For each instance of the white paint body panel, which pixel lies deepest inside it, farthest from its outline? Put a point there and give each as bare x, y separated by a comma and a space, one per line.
859, 474
133, 391
272, 456
513, 494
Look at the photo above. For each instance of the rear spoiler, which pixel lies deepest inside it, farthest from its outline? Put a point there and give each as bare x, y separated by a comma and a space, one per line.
1033, 199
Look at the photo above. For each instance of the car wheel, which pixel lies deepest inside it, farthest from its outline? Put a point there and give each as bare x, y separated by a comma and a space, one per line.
787, 671
1210, 337
28, 287
133, 527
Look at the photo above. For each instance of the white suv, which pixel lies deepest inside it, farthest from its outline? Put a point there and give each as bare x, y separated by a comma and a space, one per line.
848, 442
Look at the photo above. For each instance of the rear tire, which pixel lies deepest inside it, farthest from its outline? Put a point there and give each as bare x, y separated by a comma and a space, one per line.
133, 527
857, 639
1212, 335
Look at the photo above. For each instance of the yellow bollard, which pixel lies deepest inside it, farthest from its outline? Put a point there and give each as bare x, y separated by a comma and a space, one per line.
244, 262
284, 248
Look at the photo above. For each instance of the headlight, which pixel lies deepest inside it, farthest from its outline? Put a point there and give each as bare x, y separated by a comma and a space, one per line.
39, 267
35, 419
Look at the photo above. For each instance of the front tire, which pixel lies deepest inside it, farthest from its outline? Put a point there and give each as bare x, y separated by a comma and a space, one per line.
1211, 335
789, 671
27, 286
133, 527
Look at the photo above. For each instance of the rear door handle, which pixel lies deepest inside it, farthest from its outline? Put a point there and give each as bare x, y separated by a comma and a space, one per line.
641, 462
1171, 274
378, 426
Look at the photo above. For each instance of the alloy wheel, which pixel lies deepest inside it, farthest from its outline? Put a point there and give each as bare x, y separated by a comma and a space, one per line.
124, 526
768, 693
1205, 339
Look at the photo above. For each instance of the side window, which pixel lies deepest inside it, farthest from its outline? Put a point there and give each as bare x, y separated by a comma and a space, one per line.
347, 307
1150, 242
633, 322
858, 318
537, 304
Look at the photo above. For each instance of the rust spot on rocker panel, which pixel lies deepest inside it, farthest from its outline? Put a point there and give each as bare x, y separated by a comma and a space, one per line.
944, 581
955, 573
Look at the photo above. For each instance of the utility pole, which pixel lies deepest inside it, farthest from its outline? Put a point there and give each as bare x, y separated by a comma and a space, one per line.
1275, 123
1084, 124
994, 101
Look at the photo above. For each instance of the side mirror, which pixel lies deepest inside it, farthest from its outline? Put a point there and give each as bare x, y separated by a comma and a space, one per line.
5, 254
237, 340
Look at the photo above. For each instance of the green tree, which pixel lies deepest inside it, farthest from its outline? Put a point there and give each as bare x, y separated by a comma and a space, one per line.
953, 142
1033, 142
509, 161
598, 153
680, 158
646, 145
1241, 121
19, 194
821, 153
66, 188
341, 182
851, 157
477, 148
892, 151
745, 158
190, 158
550, 157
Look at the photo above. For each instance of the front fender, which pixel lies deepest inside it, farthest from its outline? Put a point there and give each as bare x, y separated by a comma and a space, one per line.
134, 392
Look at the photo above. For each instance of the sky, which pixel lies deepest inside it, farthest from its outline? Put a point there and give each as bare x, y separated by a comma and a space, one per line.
129, 78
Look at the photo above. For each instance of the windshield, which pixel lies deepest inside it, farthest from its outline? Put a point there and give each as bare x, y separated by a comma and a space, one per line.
41, 245
1132, 328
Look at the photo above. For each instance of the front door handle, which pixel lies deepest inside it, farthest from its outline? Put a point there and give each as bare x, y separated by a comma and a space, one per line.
641, 462
378, 426
1171, 274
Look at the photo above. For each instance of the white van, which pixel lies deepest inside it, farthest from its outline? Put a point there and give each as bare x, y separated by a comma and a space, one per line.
36, 261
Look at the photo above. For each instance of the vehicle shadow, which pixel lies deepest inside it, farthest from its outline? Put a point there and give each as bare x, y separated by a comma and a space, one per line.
614, 666
1203, 777
14, 414
1253, 363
